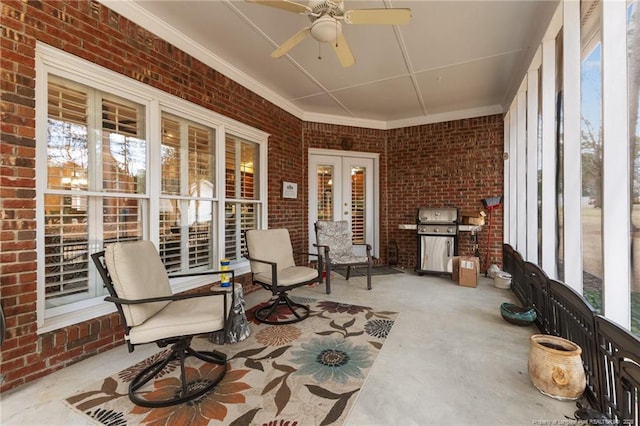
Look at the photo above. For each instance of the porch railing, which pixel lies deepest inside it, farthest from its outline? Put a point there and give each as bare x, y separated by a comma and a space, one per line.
610, 353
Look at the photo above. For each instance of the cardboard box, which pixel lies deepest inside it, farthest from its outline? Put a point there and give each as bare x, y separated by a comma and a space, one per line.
466, 270
472, 217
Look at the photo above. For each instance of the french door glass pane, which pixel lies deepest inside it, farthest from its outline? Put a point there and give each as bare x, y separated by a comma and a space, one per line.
325, 192
358, 204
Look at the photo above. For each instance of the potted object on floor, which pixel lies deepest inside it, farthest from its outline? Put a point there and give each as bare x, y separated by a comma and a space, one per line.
517, 315
555, 367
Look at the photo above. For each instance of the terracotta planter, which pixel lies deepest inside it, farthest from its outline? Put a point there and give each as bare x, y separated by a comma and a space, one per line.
555, 367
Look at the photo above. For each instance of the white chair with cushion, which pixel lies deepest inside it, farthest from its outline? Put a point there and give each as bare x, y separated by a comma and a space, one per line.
334, 241
273, 267
138, 284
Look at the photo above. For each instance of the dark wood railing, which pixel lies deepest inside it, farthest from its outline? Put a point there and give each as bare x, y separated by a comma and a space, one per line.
610, 353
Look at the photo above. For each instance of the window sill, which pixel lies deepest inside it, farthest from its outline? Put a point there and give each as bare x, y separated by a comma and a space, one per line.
101, 307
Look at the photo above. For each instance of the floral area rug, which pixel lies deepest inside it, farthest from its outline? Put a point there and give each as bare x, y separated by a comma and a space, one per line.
306, 373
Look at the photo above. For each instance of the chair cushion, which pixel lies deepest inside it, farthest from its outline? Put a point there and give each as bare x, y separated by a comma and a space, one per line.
137, 272
289, 276
336, 235
349, 260
182, 318
272, 245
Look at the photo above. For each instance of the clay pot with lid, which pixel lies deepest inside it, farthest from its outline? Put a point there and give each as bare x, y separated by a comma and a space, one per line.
555, 367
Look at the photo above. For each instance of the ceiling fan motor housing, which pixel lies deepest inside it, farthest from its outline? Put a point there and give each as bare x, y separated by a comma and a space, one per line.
325, 7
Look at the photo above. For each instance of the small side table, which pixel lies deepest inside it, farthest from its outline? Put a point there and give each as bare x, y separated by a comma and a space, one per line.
238, 326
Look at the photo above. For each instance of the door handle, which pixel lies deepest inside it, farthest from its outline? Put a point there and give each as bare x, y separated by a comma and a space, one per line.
448, 248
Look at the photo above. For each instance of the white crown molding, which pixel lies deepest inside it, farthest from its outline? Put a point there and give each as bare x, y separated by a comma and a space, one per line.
446, 116
140, 16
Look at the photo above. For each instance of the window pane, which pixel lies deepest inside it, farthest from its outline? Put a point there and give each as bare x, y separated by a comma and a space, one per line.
200, 237
122, 219
201, 161
633, 42
248, 166
170, 234
170, 156
539, 167
66, 251
241, 159
124, 149
591, 152
67, 153
559, 158
239, 217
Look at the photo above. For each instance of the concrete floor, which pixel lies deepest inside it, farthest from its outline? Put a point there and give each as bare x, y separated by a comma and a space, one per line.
450, 360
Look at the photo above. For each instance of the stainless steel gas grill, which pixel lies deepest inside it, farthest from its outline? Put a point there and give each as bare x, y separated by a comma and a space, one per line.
437, 231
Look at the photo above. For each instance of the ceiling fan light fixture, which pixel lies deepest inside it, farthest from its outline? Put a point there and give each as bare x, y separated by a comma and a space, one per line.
325, 29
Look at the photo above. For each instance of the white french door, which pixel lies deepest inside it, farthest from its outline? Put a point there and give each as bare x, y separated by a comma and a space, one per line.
344, 187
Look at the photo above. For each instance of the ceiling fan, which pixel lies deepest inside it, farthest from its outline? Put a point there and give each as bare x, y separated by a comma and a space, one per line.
326, 18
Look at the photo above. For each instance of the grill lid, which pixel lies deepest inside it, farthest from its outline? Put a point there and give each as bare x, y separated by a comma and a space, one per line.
437, 215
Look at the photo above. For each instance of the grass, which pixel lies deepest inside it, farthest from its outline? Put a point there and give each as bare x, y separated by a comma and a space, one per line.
594, 297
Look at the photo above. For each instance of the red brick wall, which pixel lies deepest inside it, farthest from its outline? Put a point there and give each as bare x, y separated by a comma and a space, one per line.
449, 164
460, 160
93, 32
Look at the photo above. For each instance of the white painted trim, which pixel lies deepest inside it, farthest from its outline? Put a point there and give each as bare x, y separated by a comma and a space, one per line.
572, 158
508, 190
521, 171
532, 161
549, 230
513, 174
616, 222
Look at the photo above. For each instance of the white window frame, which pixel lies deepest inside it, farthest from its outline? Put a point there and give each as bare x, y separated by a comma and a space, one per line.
56, 62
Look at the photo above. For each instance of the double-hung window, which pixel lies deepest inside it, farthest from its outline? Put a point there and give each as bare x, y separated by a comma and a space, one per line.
95, 184
118, 160
187, 199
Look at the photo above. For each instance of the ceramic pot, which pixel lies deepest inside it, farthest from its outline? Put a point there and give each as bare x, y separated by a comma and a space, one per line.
555, 367
517, 315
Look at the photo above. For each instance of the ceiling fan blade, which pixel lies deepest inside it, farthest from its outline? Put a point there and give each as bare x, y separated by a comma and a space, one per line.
378, 16
283, 4
289, 44
342, 50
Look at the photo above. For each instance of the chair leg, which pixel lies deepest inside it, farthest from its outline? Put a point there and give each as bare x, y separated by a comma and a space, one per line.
180, 351
265, 312
369, 276
328, 279
348, 272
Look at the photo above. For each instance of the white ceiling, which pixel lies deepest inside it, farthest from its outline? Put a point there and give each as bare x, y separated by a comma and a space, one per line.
455, 59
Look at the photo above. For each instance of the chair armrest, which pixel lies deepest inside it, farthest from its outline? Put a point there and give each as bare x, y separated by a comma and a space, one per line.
363, 244
166, 298
368, 248
274, 272
306, 254
322, 246
194, 274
